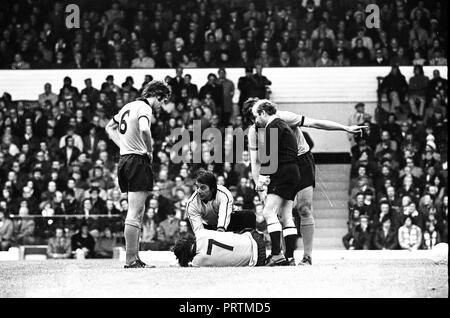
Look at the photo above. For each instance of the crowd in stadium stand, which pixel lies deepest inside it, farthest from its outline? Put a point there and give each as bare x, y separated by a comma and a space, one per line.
58, 165
56, 161
398, 188
215, 33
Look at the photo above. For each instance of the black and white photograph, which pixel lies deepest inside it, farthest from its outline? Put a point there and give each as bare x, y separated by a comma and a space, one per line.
246, 151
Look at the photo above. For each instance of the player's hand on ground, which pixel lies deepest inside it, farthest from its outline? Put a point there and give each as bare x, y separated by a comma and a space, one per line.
356, 129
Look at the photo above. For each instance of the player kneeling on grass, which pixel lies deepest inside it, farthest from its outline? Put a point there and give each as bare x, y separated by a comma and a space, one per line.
221, 249
211, 207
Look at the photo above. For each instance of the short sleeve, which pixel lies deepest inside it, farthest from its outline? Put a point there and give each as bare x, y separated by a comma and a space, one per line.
291, 118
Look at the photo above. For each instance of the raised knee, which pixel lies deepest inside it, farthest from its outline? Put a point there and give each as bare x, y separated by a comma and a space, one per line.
305, 211
133, 222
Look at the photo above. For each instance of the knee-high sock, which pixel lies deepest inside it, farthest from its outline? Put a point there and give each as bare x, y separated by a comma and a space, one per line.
274, 230
307, 226
131, 242
290, 238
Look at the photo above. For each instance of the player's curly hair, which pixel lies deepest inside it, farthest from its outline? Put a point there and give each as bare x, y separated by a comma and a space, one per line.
208, 178
157, 89
184, 250
247, 109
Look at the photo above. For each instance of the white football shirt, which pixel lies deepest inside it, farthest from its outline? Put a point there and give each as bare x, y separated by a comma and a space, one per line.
222, 249
130, 138
216, 212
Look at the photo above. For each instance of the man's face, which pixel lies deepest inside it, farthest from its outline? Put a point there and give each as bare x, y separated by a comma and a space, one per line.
153, 203
203, 190
69, 142
260, 118
59, 233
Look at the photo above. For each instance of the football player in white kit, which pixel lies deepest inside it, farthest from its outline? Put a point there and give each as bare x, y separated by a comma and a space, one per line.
211, 207
221, 249
304, 197
130, 131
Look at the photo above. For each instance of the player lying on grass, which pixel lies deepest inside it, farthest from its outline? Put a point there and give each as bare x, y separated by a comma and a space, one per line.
221, 249
305, 161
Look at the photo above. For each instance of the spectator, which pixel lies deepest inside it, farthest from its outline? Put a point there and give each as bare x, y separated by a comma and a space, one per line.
142, 60
149, 225
59, 246
191, 89
409, 235
385, 238
186, 61
48, 95
245, 86
359, 237
160, 203
431, 236
228, 93
98, 204
215, 90
417, 91
105, 244
358, 118
24, 228
379, 58
438, 59
360, 55
170, 228
19, 63
83, 242
177, 83
69, 153
418, 33
260, 85
6, 231
394, 84
400, 58
324, 60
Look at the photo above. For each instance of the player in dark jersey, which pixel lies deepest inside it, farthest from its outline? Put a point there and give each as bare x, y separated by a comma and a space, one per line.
283, 184
305, 160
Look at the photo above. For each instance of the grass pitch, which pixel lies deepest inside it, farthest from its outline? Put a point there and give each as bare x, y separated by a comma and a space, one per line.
348, 275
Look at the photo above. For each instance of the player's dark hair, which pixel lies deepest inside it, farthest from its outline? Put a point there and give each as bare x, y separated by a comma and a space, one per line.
247, 109
156, 89
184, 250
208, 178
268, 107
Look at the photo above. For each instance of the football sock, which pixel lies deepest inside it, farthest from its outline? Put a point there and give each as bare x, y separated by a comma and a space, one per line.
290, 239
307, 226
274, 231
275, 238
131, 234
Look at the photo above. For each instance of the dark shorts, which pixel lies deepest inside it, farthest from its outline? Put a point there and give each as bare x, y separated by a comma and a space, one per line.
285, 181
239, 221
135, 173
259, 239
307, 169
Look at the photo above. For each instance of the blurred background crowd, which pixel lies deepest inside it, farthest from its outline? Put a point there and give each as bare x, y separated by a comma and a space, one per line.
215, 33
399, 182
58, 166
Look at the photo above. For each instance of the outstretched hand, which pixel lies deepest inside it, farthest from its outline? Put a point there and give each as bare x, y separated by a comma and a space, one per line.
356, 129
